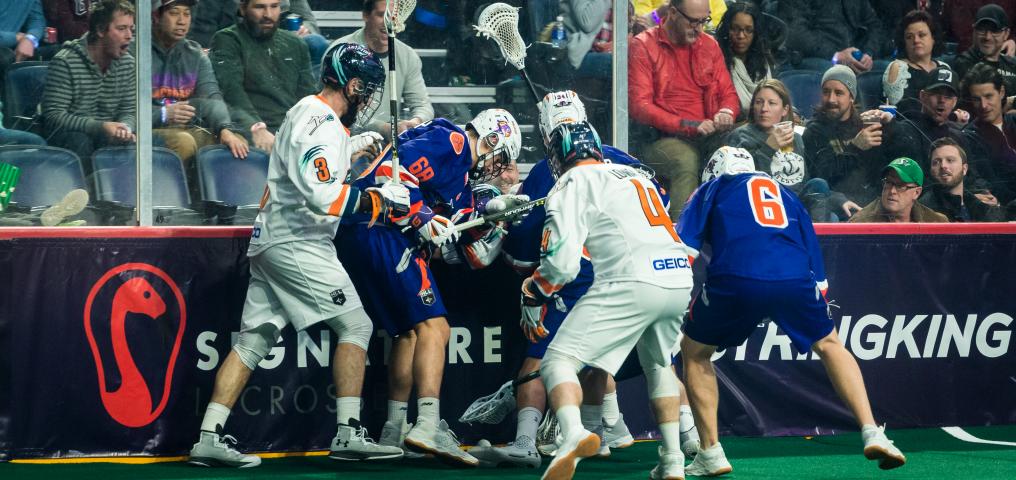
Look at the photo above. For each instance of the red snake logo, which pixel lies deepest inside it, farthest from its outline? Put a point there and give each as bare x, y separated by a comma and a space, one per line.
131, 403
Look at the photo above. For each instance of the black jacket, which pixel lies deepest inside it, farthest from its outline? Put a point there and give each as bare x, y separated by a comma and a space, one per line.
938, 199
820, 28
1006, 67
998, 147
848, 169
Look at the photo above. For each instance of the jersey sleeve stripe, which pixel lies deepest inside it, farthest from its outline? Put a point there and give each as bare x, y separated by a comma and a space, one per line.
342, 205
545, 287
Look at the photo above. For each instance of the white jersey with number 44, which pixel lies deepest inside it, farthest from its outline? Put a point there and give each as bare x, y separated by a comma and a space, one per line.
614, 213
304, 194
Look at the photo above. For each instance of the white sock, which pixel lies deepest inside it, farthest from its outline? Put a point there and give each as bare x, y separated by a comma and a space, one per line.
570, 420
397, 411
671, 433
528, 422
611, 413
428, 408
346, 409
688, 430
215, 417
592, 416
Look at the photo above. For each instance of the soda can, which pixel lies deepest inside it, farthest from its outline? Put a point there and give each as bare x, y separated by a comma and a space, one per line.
888, 108
292, 22
51, 35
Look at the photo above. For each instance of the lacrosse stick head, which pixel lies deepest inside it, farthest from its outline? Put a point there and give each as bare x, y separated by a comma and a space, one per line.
493, 408
396, 13
500, 22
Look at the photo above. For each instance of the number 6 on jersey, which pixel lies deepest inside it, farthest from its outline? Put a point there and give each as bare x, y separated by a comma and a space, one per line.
766, 202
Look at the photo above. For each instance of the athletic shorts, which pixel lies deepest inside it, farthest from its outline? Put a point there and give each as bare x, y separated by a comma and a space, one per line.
396, 284
553, 318
612, 318
728, 309
301, 283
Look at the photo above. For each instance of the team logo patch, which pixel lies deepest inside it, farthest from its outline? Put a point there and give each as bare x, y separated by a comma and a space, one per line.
427, 296
788, 169
317, 121
338, 297
458, 142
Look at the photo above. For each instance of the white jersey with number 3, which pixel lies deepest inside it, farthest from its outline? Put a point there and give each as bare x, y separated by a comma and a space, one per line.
305, 195
616, 214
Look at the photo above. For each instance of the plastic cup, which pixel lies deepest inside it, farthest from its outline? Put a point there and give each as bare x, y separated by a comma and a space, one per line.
784, 127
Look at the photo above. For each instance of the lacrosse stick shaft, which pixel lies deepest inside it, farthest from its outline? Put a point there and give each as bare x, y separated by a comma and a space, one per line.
526, 378
532, 88
495, 217
393, 105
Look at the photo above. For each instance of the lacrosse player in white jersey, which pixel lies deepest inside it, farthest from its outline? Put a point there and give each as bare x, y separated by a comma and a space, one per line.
295, 275
641, 287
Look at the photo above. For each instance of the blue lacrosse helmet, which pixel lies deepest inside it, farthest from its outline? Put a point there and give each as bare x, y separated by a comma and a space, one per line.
571, 142
346, 61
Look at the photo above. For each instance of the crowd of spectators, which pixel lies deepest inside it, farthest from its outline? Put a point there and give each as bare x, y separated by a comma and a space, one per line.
702, 74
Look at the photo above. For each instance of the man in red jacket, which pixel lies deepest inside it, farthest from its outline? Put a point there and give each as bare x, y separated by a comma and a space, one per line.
679, 85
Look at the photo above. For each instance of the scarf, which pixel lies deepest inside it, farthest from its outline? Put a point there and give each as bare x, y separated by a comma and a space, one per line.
744, 84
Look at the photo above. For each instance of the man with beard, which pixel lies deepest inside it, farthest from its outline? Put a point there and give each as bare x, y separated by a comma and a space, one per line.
263, 70
841, 149
902, 182
88, 102
947, 195
994, 133
991, 30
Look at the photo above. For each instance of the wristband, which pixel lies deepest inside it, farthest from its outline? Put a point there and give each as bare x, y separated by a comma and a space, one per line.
656, 17
33, 39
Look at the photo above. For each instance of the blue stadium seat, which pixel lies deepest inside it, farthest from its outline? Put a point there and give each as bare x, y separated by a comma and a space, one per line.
47, 173
869, 86
115, 174
223, 178
805, 88
23, 92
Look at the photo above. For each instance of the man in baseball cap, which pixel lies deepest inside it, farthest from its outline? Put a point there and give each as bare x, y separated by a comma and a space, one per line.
991, 31
902, 183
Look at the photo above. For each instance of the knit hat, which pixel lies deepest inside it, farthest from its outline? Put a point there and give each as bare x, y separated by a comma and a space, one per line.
844, 75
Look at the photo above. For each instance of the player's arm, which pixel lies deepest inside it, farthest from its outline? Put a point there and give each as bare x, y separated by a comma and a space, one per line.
318, 174
564, 233
693, 224
811, 242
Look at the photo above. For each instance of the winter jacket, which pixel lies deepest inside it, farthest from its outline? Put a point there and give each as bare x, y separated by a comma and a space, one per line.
998, 146
184, 73
80, 97
1005, 66
873, 213
820, 28
833, 157
940, 200
674, 88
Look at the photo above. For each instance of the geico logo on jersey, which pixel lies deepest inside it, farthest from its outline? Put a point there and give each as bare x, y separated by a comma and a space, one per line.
670, 264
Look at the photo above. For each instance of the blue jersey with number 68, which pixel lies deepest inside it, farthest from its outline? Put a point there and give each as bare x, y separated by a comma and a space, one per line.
757, 228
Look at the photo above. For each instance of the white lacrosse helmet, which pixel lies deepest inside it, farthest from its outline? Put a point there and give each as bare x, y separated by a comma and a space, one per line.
728, 161
499, 130
558, 108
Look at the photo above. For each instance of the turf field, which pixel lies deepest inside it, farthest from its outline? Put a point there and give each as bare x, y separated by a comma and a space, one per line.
931, 453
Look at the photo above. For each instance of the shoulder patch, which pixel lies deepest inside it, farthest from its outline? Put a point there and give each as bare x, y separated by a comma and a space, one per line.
458, 141
318, 120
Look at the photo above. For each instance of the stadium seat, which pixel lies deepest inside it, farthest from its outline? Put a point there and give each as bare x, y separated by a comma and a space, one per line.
23, 92
115, 174
805, 88
47, 174
869, 86
223, 178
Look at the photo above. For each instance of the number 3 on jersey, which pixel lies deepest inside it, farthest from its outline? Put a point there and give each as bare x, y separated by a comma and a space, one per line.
655, 213
766, 202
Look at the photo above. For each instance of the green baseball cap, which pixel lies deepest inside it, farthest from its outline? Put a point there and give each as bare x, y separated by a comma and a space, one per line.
907, 169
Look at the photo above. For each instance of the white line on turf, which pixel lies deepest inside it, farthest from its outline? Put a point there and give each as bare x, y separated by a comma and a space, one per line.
966, 437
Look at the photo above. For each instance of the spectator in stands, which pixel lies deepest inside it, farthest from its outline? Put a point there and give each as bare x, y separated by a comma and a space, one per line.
22, 27
991, 30
679, 85
585, 21
189, 112
911, 71
89, 98
901, 186
68, 17
211, 16
412, 90
18, 137
993, 131
745, 49
841, 149
309, 31
266, 71
960, 16
891, 12
947, 195
824, 32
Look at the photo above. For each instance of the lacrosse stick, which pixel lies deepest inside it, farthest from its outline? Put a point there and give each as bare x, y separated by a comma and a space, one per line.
492, 409
500, 22
496, 217
396, 12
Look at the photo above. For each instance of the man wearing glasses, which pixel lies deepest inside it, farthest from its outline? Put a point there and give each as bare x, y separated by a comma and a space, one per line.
678, 85
902, 180
991, 30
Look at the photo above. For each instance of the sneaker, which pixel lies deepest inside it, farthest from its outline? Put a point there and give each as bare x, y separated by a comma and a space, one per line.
547, 437
709, 462
582, 444
352, 443
520, 453
604, 450
393, 435
214, 451
617, 435
689, 440
72, 204
878, 447
670, 467
439, 440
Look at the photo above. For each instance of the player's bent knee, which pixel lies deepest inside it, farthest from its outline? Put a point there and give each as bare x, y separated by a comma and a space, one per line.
661, 382
557, 369
252, 345
352, 327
